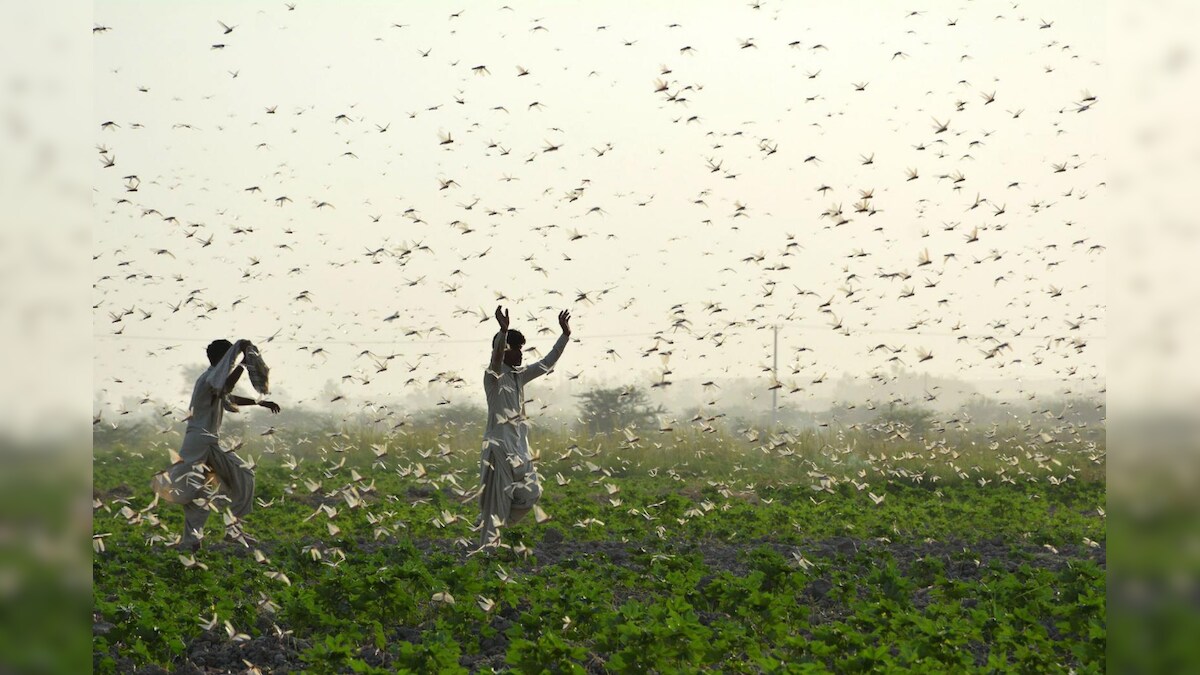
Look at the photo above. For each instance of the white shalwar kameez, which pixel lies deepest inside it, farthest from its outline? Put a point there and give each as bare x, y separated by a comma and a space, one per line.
189, 479
510, 485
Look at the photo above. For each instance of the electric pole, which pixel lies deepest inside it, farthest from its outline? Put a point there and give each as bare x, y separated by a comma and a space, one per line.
775, 384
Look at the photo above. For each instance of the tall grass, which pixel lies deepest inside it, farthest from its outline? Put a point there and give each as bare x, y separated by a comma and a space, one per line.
783, 457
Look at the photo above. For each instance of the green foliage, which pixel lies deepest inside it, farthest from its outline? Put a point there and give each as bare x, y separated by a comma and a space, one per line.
549, 653
939, 576
437, 653
336, 654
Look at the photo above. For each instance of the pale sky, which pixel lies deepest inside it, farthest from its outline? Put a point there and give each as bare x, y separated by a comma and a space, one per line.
632, 215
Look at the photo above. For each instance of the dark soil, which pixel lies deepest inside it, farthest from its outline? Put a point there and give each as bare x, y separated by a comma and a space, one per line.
212, 652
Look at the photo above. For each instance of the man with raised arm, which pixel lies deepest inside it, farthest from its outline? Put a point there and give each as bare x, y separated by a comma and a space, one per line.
510, 487
208, 477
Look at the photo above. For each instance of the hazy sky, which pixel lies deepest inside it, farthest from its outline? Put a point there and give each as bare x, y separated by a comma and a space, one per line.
633, 220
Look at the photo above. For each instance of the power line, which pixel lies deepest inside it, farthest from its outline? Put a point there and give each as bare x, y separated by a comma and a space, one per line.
447, 341
317, 340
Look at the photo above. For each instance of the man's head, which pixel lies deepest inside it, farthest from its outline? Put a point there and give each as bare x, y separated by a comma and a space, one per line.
217, 350
512, 351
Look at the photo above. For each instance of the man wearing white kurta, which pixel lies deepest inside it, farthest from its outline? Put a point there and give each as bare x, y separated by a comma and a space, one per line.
510, 485
201, 455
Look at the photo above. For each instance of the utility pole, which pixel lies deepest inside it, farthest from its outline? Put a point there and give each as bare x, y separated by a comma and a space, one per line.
775, 374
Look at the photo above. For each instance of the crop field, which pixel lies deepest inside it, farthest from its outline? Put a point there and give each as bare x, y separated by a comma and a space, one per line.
812, 300
806, 552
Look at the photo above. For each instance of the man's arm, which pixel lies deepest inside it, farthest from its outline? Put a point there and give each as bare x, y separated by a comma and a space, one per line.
232, 380
547, 363
242, 400
499, 342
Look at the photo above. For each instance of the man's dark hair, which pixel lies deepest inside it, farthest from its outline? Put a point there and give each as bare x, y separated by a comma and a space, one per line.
217, 349
515, 338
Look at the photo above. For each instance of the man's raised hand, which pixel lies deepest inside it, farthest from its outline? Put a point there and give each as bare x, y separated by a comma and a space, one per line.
270, 405
564, 318
502, 318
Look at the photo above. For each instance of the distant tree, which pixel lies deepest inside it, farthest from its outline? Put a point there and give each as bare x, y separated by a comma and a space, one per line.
917, 419
604, 410
1075, 409
461, 415
191, 373
331, 393
984, 410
